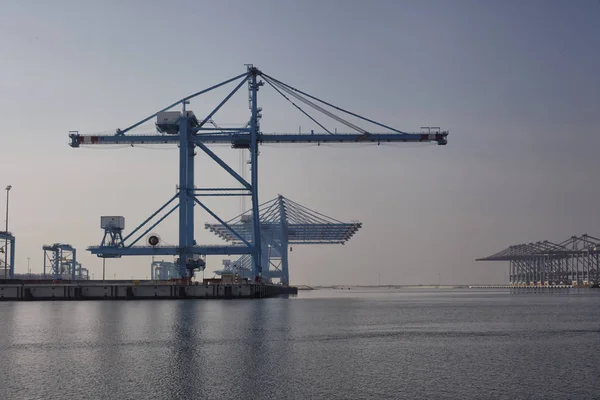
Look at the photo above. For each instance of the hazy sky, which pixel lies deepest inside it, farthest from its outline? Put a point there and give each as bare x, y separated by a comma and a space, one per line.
516, 82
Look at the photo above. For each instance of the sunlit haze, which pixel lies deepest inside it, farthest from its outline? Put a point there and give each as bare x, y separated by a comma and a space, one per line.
516, 83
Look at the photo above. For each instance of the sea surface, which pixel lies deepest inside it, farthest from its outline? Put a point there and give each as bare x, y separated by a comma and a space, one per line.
322, 344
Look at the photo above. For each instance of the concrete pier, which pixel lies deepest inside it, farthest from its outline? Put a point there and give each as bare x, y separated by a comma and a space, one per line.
145, 291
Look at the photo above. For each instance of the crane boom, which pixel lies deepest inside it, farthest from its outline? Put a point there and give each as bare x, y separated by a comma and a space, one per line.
242, 140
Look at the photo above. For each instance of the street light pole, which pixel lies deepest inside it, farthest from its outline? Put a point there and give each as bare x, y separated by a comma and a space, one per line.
6, 240
28, 269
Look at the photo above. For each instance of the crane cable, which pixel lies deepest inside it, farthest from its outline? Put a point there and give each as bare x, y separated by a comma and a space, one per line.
297, 106
317, 107
331, 105
326, 112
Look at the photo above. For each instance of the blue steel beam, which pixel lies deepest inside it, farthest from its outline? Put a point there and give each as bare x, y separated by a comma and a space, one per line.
223, 165
153, 225
140, 226
217, 108
283, 240
307, 233
254, 132
167, 250
123, 131
243, 139
185, 215
215, 216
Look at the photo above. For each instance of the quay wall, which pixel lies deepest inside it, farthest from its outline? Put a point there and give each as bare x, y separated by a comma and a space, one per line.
95, 291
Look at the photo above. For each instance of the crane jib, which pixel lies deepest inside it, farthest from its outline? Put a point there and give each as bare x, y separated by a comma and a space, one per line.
242, 141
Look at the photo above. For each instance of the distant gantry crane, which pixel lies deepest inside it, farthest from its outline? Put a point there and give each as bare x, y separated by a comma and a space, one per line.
60, 262
189, 133
163, 270
573, 262
283, 222
167, 270
7, 248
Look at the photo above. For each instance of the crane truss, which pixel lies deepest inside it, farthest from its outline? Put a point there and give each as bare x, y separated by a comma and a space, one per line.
283, 222
575, 261
190, 133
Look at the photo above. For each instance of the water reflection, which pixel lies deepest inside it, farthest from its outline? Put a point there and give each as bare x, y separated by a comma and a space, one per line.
452, 344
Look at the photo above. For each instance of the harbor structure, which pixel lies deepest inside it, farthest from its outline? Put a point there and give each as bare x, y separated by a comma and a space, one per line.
7, 262
283, 224
191, 133
573, 262
164, 270
60, 263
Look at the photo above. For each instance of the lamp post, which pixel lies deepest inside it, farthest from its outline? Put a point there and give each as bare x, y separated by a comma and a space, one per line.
6, 240
28, 269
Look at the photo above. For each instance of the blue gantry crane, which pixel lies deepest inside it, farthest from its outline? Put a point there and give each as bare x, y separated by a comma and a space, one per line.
189, 133
81, 273
283, 223
60, 261
7, 262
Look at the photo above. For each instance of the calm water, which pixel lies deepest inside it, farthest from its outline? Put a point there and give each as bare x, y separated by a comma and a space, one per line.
461, 344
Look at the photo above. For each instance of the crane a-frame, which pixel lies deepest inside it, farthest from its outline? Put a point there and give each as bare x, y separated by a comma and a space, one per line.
189, 133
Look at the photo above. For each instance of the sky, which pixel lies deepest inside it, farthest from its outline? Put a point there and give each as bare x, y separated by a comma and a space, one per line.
515, 82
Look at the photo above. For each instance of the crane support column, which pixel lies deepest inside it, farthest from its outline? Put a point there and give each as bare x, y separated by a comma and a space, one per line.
283, 241
11, 271
190, 195
74, 266
190, 192
184, 218
256, 238
57, 266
